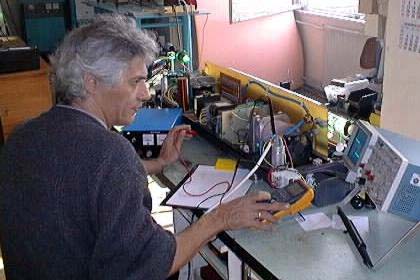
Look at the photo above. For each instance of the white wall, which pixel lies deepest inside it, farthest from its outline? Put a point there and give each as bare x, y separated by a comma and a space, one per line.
401, 92
331, 47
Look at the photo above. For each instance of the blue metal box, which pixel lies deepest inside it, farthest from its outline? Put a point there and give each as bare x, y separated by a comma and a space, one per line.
149, 129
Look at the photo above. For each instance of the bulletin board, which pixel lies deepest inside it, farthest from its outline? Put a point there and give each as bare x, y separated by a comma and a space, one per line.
241, 10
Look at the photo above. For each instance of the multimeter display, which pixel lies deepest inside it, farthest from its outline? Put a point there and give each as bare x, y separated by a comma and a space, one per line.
298, 194
289, 194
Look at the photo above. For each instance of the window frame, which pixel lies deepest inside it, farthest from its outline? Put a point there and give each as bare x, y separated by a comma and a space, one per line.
328, 13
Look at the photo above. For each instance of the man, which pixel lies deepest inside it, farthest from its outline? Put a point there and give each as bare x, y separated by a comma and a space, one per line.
74, 202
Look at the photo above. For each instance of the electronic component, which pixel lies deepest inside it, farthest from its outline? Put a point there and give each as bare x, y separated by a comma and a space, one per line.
390, 168
281, 178
149, 129
202, 85
298, 194
278, 153
338, 128
16, 56
361, 103
200, 101
156, 67
217, 107
50, 17
183, 93
260, 130
364, 136
226, 133
328, 182
359, 99
280, 175
344, 87
236, 123
230, 88
214, 113
300, 148
84, 13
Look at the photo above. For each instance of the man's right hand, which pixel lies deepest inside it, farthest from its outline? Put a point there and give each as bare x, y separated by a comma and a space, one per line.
249, 211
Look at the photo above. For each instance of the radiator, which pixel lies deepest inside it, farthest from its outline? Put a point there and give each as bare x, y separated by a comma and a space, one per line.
330, 52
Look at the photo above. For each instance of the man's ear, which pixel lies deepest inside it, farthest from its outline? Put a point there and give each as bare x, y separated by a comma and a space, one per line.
91, 83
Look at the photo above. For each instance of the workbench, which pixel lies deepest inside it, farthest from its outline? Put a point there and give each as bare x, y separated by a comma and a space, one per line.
288, 252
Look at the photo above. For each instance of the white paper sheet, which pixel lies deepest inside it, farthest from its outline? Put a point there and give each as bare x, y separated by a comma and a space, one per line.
314, 221
203, 179
320, 220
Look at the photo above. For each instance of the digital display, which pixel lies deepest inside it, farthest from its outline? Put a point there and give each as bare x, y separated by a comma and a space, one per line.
354, 153
295, 189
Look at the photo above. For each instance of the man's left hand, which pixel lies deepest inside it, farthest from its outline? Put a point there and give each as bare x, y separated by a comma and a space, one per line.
171, 147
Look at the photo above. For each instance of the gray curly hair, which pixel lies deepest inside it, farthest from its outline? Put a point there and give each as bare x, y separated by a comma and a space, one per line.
104, 49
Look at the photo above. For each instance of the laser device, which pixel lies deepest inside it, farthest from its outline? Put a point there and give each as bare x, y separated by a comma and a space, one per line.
260, 129
235, 123
389, 166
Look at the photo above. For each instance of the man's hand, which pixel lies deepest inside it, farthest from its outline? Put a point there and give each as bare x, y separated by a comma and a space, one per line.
171, 147
249, 211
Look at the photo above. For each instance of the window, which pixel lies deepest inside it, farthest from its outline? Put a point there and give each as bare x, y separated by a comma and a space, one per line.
241, 10
346, 8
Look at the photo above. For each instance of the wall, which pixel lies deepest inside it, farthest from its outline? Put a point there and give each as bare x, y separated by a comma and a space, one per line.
265, 47
401, 98
331, 46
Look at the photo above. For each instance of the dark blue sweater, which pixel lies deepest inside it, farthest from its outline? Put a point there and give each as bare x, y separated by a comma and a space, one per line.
74, 204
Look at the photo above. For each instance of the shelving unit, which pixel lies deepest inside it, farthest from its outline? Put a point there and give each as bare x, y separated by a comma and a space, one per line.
148, 18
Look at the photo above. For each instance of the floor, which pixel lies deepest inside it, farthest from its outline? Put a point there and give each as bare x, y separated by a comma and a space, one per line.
162, 214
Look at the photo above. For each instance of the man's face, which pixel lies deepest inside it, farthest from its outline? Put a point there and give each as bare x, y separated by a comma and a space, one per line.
121, 101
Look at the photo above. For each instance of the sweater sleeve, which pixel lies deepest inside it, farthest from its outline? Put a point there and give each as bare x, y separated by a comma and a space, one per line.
129, 243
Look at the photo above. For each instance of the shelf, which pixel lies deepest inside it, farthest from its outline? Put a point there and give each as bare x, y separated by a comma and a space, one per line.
162, 18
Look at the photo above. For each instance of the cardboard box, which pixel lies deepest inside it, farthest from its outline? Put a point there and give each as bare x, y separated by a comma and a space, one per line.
368, 6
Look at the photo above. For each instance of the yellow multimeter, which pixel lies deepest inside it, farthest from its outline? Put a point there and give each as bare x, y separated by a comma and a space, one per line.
298, 194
